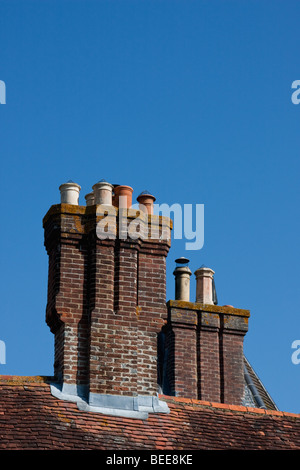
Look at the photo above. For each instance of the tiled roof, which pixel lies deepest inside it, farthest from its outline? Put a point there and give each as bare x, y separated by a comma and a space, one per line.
32, 418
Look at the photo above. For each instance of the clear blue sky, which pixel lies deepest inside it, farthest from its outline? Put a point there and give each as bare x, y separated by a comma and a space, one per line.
188, 99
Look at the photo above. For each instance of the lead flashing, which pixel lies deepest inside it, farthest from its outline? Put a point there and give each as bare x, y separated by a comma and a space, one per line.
137, 407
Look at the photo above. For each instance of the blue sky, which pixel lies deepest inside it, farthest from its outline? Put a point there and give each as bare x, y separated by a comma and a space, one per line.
188, 99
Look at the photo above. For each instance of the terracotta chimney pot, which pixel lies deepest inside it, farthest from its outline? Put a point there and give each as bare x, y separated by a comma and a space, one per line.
123, 196
146, 200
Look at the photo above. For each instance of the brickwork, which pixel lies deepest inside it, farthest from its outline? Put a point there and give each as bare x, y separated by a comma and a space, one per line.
66, 311
107, 308
208, 355
232, 371
102, 355
151, 314
126, 318
106, 302
185, 362
53, 287
182, 353
71, 308
205, 351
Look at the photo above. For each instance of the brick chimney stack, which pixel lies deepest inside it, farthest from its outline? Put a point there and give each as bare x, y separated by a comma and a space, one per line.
204, 346
106, 299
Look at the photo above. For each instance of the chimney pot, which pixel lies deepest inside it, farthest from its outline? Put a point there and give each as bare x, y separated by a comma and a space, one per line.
204, 285
103, 193
123, 196
146, 200
90, 199
182, 275
69, 193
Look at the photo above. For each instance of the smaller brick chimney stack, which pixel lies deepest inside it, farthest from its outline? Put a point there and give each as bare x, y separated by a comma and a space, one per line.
204, 344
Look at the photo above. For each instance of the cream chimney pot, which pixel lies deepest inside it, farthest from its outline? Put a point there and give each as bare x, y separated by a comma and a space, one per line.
182, 280
90, 199
204, 285
69, 193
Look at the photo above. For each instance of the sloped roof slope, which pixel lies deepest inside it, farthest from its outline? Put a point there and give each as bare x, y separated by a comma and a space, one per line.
256, 394
32, 418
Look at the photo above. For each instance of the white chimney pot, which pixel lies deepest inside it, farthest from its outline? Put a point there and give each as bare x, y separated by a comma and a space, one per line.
90, 199
69, 193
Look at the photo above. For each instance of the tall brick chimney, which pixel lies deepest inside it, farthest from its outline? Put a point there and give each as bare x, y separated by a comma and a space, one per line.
106, 300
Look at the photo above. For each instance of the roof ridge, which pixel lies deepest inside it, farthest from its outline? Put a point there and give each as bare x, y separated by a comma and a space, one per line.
228, 407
